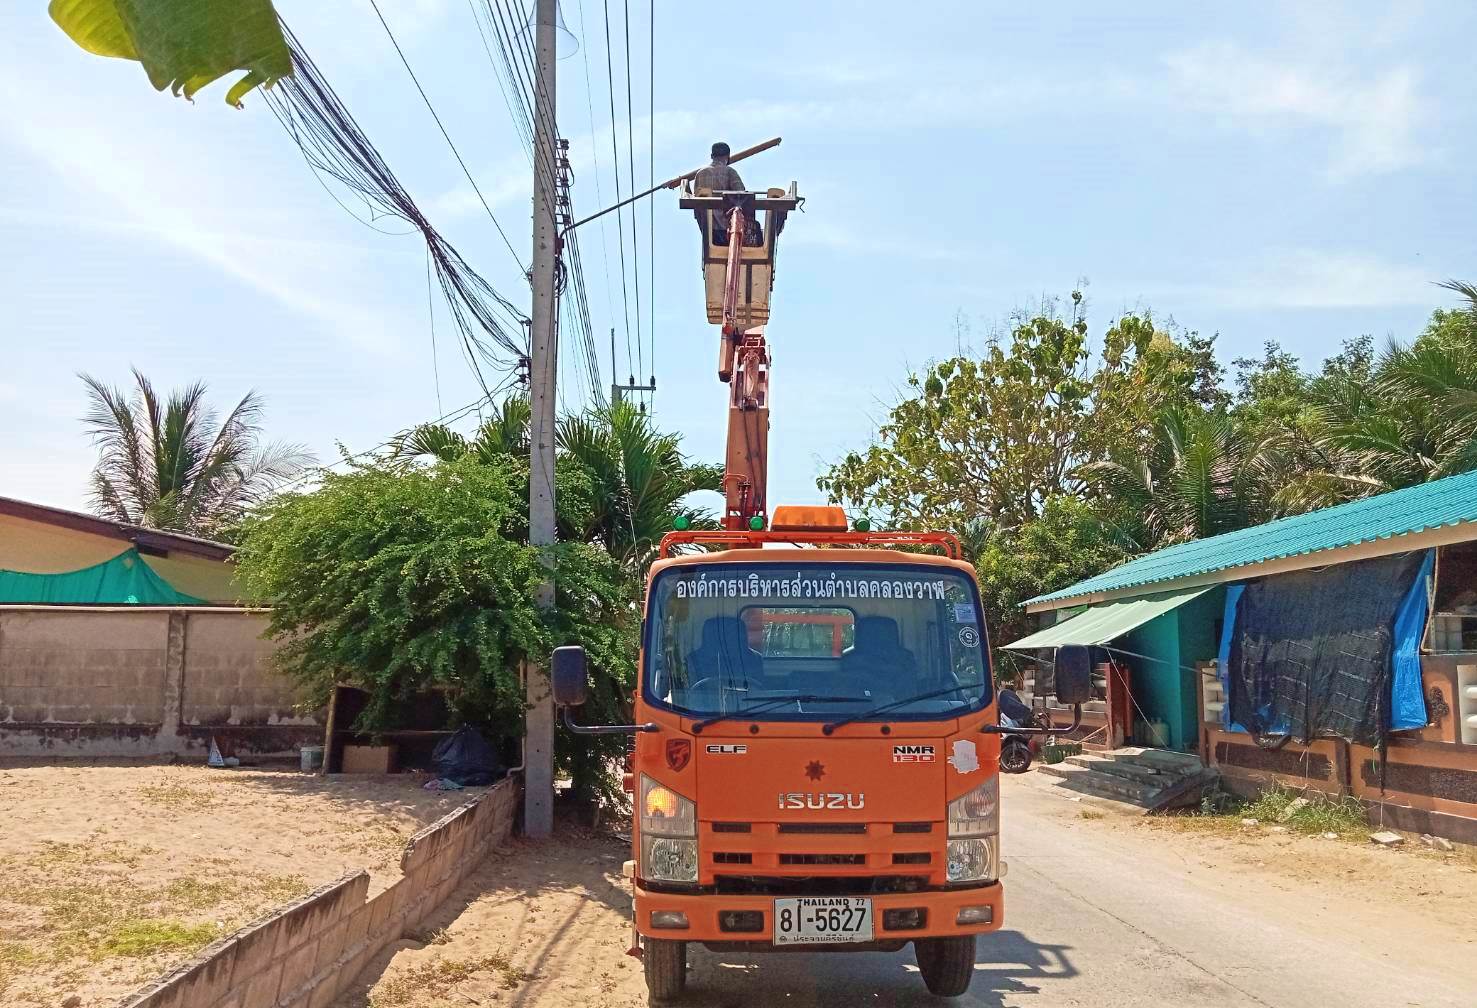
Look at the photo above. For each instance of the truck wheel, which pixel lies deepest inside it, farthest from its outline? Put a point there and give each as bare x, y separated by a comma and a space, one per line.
665, 963
947, 964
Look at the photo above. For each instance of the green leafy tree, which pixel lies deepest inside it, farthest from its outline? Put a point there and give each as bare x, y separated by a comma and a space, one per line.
1068, 542
398, 579
990, 439
173, 464
183, 46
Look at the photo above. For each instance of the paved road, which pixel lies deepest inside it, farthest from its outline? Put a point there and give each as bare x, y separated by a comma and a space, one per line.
1101, 917
1101, 912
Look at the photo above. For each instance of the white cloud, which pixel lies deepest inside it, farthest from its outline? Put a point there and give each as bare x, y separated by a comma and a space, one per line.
1307, 278
1375, 118
147, 175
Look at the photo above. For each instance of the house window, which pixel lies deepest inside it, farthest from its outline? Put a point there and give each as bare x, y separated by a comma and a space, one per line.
1454, 616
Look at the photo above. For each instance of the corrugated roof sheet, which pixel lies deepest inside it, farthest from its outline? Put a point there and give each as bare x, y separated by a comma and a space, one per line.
1106, 620
1449, 501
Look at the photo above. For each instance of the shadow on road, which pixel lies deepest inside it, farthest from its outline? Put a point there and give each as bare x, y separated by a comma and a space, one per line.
1006, 962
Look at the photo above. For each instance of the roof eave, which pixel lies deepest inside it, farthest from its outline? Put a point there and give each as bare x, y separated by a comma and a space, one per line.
1446, 535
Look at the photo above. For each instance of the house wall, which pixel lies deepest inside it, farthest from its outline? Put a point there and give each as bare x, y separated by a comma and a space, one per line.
1155, 677
142, 681
37, 548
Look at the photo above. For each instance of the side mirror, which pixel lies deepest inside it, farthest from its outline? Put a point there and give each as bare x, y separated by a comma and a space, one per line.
1073, 674
571, 680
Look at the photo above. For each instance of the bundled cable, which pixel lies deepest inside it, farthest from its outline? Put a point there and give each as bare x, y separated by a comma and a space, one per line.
491, 327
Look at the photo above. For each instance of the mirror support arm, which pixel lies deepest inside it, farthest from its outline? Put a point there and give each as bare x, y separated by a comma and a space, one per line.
1053, 730
623, 729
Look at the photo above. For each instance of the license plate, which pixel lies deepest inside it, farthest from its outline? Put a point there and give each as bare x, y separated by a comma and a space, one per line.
821, 920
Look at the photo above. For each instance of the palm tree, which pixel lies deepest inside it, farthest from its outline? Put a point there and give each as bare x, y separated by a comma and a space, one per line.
504, 432
638, 475
640, 478
173, 465
1200, 476
1410, 419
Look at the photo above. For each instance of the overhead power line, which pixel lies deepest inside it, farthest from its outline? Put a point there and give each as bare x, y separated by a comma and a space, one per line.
334, 145
447, 136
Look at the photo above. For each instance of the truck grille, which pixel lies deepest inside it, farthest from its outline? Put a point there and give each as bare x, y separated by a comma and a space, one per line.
843, 828
818, 885
822, 859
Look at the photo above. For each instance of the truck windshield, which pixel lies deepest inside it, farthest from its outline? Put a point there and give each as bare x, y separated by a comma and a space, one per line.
815, 642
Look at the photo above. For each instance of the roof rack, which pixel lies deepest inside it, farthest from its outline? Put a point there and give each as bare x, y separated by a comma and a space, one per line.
946, 541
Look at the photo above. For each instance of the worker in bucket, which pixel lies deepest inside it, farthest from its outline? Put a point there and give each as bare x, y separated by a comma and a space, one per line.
720, 177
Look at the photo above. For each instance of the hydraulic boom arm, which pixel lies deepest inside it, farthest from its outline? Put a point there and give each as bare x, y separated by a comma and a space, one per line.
744, 364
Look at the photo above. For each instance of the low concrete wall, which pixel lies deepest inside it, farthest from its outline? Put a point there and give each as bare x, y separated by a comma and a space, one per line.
306, 954
136, 681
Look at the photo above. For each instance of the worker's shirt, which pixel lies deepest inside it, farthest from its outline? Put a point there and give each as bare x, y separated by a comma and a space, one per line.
718, 177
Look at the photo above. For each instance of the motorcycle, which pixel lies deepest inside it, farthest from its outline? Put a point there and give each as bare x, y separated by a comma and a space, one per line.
1018, 751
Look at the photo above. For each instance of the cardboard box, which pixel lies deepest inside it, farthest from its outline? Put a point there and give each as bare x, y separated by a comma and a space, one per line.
369, 759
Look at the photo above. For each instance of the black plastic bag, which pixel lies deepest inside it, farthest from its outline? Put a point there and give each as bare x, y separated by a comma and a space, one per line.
467, 758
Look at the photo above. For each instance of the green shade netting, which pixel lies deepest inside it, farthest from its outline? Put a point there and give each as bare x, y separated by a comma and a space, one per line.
123, 580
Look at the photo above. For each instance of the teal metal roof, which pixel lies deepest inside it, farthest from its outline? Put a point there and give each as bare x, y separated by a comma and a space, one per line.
1443, 502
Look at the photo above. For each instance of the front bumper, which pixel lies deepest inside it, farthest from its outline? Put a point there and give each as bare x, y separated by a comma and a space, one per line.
703, 912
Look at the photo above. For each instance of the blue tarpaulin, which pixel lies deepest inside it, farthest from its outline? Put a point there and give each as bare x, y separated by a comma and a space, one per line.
1407, 697
1298, 621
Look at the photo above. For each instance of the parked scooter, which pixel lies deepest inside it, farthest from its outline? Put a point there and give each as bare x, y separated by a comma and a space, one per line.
1017, 751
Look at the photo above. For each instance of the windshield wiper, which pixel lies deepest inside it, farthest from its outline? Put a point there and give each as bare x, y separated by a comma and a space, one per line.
829, 728
773, 703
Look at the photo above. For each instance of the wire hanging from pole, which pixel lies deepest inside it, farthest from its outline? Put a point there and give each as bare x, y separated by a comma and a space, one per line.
334, 146
631, 174
445, 135
651, 183
615, 160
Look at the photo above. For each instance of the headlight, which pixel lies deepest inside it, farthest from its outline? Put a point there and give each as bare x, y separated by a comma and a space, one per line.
976, 813
664, 812
973, 860
668, 833
669, 859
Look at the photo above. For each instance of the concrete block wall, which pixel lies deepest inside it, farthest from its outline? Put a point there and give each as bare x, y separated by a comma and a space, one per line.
100, 681
306, 954
54, 669
225, 679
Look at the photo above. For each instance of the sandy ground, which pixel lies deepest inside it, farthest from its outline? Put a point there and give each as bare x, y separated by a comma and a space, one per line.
109, 875
1102, 910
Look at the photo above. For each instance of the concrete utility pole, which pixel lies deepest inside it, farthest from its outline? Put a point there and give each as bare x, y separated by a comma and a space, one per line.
538, 779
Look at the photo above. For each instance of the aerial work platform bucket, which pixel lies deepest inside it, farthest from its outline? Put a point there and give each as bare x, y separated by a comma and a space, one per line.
755, 261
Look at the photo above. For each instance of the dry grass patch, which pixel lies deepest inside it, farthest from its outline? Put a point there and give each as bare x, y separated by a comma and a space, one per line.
69, 904
177, 796
440, 977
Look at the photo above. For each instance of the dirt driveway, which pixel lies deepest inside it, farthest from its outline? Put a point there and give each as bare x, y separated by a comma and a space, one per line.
109, 875
1102, 911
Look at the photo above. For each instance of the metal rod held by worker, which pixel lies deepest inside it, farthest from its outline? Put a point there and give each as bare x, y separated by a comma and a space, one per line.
671, 183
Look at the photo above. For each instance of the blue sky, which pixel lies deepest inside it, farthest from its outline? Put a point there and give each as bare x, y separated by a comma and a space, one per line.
1297, 172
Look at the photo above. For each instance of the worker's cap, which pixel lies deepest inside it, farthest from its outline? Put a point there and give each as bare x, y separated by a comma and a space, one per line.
720, 149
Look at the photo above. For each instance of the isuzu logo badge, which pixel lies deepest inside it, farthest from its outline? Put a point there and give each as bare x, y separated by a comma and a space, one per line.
679, 751
822, 801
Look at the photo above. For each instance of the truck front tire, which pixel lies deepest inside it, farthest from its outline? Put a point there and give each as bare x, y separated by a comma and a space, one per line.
947, 964
665, 964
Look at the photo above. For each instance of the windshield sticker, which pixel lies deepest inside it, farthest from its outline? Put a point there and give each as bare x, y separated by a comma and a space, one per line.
912, 754
964, 612
965, 759
969, 636
832, 586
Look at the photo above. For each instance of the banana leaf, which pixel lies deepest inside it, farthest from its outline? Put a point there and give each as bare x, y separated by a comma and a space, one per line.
183, 44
